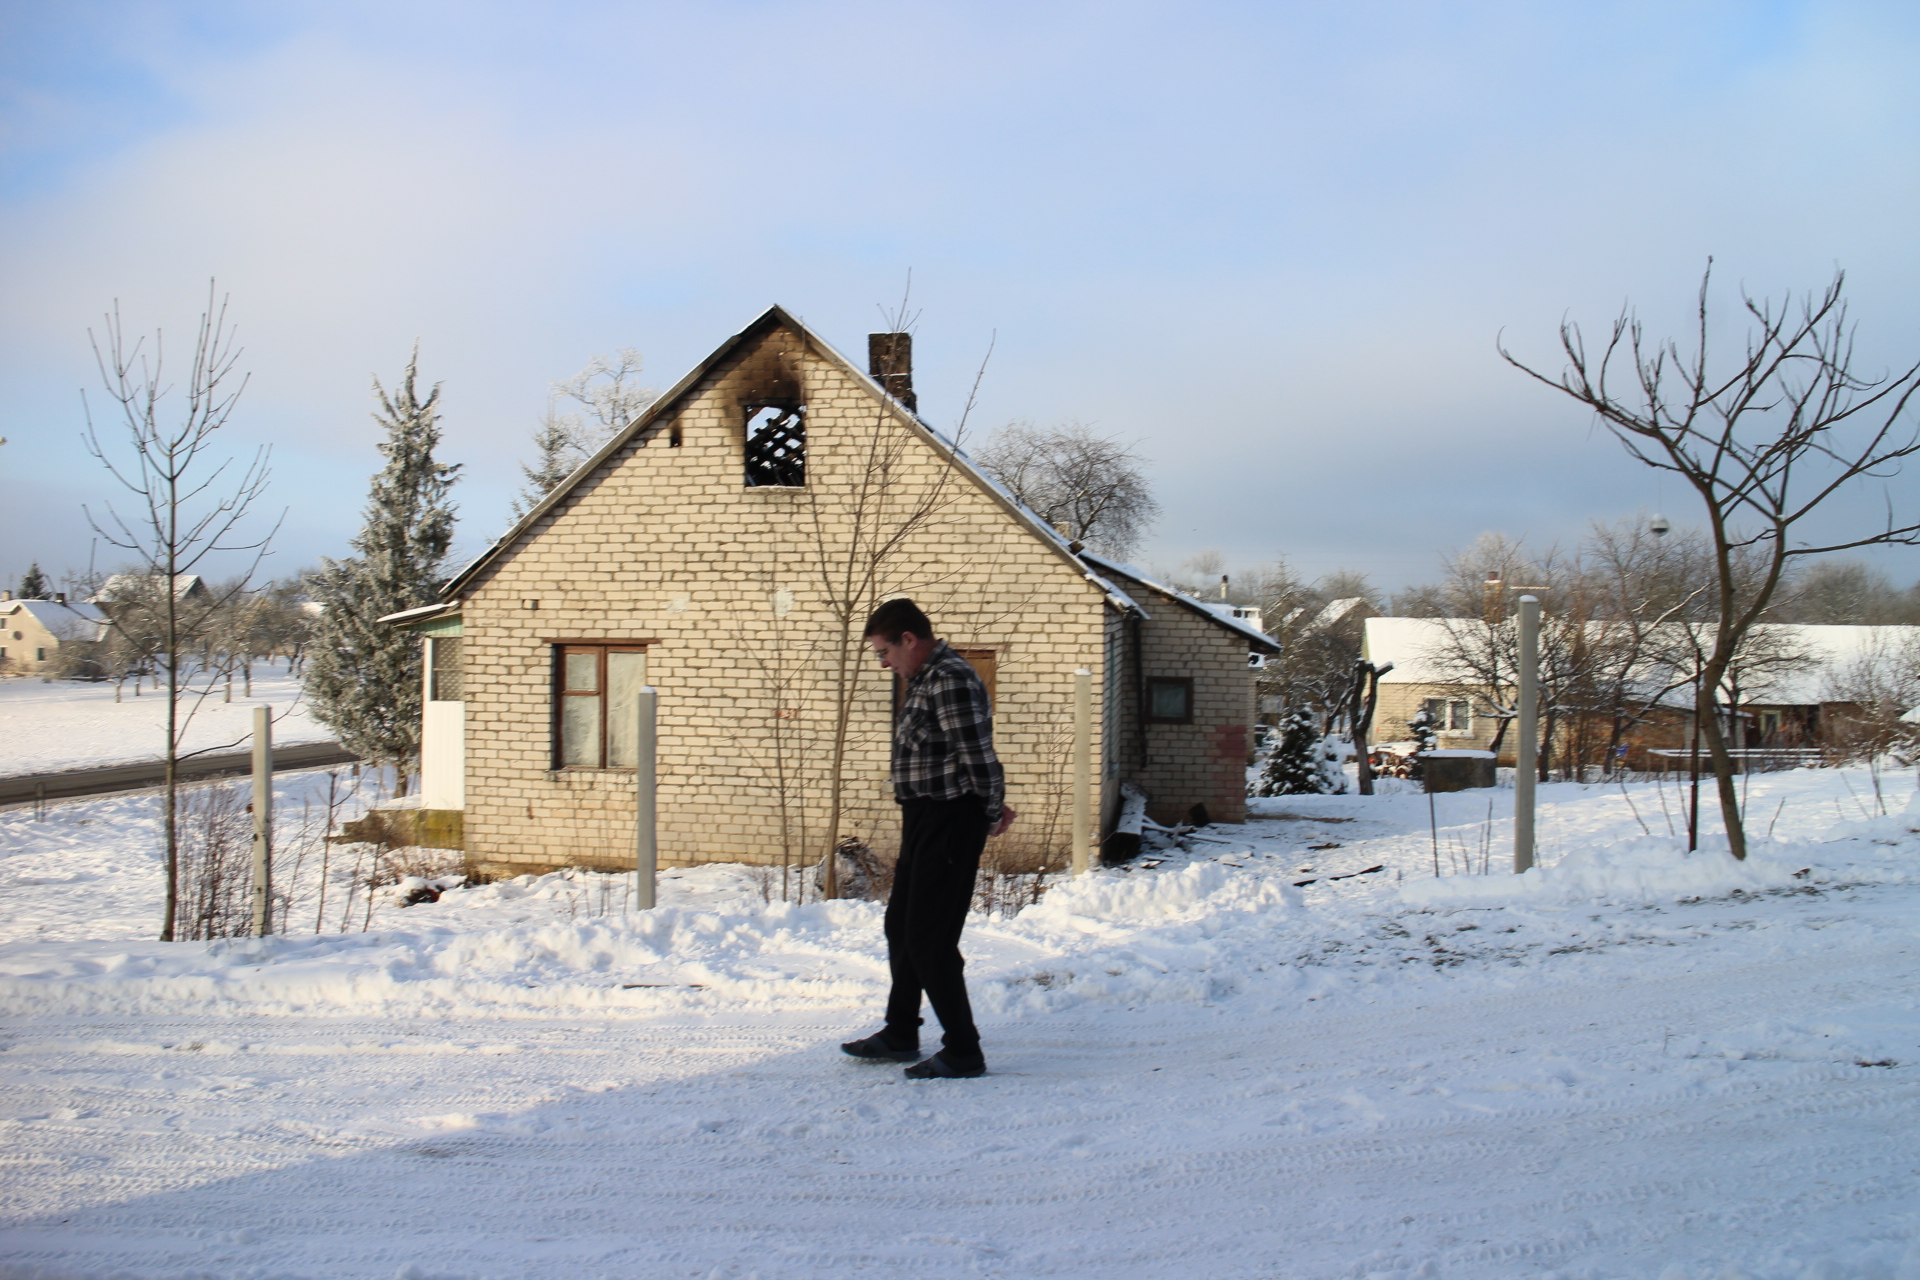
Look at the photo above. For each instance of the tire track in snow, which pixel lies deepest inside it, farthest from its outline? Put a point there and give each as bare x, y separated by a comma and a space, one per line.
706, 1173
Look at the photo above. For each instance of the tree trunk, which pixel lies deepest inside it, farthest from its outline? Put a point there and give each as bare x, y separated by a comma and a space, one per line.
1706, 712
1546, 744
836, 781
1365, 688
173, 760
1500, 735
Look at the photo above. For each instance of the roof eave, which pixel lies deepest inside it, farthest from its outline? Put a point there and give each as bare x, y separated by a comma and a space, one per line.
1256, 639
425, 613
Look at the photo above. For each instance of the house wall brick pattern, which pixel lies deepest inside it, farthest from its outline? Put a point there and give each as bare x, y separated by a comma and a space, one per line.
729, 585
1179, 765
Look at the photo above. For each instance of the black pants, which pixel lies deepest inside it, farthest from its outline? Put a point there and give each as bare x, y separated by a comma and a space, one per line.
940, 844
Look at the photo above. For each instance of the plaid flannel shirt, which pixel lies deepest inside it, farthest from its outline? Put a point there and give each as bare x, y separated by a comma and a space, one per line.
943, 740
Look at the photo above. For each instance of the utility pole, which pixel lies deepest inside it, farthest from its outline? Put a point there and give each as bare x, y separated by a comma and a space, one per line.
262, 821
1082, 768
646, 826
1526, 751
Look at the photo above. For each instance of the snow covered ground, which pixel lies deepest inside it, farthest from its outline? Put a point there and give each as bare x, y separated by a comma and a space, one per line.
1629, 1063
72, 724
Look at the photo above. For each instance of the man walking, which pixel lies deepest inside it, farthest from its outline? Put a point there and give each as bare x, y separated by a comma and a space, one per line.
952, 797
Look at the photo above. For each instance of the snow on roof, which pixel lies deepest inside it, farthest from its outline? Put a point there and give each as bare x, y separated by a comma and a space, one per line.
184, 584
1412, 645
1220, 612
1408, 643
123, 584
1833, 650
58, 617
423, 612
1334, 611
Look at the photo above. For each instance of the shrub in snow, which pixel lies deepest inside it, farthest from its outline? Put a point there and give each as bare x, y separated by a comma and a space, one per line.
412, 890
1299, 763
860, 870
1424, 735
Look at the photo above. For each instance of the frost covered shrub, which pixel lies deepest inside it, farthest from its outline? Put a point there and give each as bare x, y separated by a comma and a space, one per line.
1424, 735
216, 864
1296, 767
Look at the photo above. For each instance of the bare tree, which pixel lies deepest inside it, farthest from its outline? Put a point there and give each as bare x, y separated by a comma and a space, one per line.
1321, 629
1845, 593
859, 529
608, 389
1764, 440
1090, 485
1875, 689
186, 507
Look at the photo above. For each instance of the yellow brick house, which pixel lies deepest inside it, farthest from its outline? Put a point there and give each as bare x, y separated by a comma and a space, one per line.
725, 548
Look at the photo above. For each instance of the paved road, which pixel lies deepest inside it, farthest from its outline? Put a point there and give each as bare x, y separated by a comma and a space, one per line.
132, 777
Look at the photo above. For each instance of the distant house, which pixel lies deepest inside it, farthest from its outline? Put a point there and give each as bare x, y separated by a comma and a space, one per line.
32, 633
705, 551
1790, 701
124, 588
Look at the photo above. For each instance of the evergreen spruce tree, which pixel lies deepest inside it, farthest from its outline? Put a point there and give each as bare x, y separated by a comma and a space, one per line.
363, 678
1330, 756
34, 586
1424, 737
556, 454
613, 398
1294, 768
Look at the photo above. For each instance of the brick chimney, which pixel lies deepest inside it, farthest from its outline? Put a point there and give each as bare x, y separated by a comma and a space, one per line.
890, 361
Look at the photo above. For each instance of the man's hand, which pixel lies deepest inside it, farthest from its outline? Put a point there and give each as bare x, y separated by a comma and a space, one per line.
1007, 814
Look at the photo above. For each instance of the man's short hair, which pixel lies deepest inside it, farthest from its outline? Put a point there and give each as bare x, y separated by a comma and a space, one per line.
895, 618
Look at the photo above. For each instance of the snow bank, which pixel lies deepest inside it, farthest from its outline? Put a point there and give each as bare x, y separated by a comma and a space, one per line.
1647, 869
645, 961
1899, 827
1112, 936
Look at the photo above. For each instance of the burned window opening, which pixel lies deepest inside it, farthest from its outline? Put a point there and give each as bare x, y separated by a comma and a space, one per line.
777, 446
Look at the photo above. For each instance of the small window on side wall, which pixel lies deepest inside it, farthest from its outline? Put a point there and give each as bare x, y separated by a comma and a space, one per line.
1169, 700
445, 683
597, 711
1449, 715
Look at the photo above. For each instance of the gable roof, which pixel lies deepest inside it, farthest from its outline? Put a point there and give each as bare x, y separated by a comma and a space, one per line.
184, 585
56, 613
1345, 609
1221, 614
772, 318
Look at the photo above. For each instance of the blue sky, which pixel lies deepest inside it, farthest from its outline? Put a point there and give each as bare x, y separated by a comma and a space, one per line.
1274, 243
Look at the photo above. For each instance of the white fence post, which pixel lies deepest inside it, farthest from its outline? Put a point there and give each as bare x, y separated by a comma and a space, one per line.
262, 821
646, 833
1082, 768
1527, 750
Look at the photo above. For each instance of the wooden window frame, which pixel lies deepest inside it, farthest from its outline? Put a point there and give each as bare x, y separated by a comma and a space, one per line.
560, 648
1440, 713
1183, 682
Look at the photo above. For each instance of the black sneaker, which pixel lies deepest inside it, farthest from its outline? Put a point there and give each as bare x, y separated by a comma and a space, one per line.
943, 1066
876, 1049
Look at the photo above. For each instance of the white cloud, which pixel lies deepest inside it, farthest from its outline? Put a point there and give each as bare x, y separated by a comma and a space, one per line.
1275, 246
